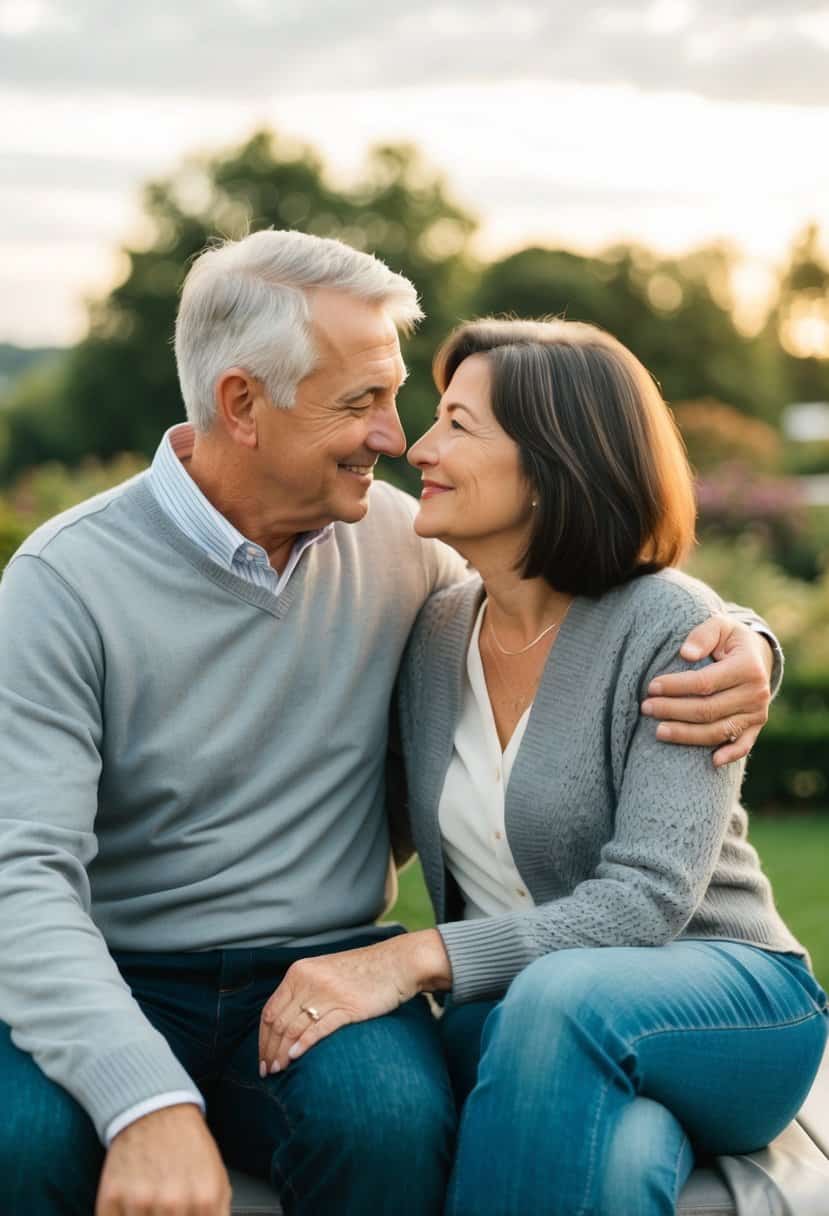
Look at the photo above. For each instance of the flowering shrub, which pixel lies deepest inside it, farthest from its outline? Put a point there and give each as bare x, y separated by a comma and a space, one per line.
717, 434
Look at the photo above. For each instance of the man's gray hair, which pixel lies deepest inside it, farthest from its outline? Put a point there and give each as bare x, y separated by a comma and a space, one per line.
243, 304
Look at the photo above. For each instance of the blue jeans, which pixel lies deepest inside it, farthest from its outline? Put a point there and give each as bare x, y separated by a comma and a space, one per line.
362, 1125
591, 1085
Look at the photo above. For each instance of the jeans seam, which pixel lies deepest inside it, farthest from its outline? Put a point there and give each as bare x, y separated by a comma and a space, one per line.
677, 1160
591, 1169
275, 1099
785, 1025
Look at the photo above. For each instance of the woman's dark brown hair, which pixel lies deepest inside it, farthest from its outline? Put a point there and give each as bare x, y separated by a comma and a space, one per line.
600, 449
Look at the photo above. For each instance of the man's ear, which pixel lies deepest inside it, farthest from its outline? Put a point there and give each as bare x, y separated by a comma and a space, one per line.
237, 393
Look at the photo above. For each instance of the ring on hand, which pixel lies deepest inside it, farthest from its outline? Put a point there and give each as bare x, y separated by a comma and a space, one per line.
313, 1013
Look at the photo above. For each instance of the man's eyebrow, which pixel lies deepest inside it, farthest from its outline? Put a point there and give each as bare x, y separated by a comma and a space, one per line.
374, 388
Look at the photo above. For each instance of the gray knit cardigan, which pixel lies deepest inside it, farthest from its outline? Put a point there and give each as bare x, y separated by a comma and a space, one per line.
622, 840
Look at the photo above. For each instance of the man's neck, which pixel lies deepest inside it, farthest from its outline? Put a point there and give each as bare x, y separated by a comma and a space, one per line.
219, 477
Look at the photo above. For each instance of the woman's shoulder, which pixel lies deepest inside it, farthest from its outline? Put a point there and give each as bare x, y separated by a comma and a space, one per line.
442, 628
667, 599
449, 604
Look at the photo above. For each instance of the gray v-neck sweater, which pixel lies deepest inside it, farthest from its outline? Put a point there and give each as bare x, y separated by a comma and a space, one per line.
621, 839
186, 763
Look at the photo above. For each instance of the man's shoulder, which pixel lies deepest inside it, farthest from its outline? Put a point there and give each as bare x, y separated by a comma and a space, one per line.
388, 502
388, 529
70, 529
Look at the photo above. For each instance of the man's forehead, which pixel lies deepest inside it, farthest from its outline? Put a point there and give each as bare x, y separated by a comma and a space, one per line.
346, 328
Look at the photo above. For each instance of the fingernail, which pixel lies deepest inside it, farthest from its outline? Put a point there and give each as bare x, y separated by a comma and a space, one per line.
663, 731
263, 1069
295, 1051
691, 652
274, 1067
647, 707
655, 688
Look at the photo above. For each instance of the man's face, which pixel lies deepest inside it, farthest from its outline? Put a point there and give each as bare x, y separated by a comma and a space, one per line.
318, 457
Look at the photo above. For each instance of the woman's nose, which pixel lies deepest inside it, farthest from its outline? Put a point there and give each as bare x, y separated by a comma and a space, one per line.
422, 451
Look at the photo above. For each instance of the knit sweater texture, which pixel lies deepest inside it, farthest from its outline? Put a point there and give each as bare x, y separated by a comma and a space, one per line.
188, 763
621, 839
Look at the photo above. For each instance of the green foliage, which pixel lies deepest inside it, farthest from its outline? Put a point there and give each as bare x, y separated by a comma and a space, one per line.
715, 433
789, 765
793, 850
807, 459
48, 489
674, 315
12, 534
117, 390
798, 611
799, 320
44, 491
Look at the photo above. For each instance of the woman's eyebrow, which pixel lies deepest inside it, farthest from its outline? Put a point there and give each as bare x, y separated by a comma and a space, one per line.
460, 405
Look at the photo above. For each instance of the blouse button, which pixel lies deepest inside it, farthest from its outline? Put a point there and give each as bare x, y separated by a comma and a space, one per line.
498, 836
520, 891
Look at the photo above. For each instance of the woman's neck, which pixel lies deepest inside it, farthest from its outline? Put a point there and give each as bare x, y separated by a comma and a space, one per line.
520, 608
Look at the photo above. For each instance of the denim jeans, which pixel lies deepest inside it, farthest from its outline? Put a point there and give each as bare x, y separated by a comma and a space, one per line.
362, 1125
590, 1087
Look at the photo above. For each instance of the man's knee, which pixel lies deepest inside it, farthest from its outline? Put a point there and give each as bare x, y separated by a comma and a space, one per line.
374, 1105
49, 1150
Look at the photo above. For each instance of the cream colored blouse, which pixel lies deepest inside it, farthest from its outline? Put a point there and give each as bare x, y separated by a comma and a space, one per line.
471, 810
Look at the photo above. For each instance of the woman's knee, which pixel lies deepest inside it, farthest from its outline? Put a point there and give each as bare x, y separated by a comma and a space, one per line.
567, 983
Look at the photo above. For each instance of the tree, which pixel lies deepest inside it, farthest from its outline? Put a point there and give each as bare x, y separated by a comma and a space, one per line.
117, 390
675, 315
799, 319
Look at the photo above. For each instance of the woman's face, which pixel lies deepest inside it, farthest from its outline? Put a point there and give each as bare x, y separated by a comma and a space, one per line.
473, 485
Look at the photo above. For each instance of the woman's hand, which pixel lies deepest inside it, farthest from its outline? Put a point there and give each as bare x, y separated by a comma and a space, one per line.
319, 995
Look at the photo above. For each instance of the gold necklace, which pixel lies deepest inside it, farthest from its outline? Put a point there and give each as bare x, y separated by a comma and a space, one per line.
517, 703
513, 653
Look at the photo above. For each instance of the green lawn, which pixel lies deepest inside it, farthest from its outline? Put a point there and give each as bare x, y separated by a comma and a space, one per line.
795, 853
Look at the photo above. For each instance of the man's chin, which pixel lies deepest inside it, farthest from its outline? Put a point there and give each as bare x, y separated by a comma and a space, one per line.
352, 512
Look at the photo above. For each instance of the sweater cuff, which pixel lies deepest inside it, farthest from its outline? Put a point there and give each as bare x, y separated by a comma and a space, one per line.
161, 1102
486, 954
114, 1082
776, 678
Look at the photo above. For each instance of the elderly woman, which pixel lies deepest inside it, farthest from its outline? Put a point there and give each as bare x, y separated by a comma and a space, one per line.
623, 992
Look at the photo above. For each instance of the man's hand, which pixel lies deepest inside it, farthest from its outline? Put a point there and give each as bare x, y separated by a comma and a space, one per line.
319, 995
724, 705
165, 1164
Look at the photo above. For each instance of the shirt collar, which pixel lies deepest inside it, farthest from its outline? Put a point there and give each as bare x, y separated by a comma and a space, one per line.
195, 514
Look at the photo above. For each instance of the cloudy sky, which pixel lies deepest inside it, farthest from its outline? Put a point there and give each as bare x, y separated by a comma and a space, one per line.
667, 121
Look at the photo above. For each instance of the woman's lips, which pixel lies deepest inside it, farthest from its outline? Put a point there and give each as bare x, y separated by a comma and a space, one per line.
432, 488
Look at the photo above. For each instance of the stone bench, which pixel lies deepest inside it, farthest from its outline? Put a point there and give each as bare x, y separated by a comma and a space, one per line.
789, 1178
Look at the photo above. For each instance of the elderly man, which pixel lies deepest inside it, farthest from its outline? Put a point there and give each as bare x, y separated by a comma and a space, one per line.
195, 675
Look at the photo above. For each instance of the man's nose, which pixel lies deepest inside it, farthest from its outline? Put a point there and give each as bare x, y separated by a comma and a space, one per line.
387, 435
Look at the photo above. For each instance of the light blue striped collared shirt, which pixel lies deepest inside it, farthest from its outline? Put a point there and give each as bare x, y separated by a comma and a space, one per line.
199, 520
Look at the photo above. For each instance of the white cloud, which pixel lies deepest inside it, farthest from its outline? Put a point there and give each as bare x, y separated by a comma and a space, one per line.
222, 48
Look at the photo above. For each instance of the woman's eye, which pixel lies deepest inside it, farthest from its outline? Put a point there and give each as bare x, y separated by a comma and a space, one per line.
455, 425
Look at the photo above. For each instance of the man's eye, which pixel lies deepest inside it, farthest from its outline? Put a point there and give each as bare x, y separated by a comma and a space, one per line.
456, 426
